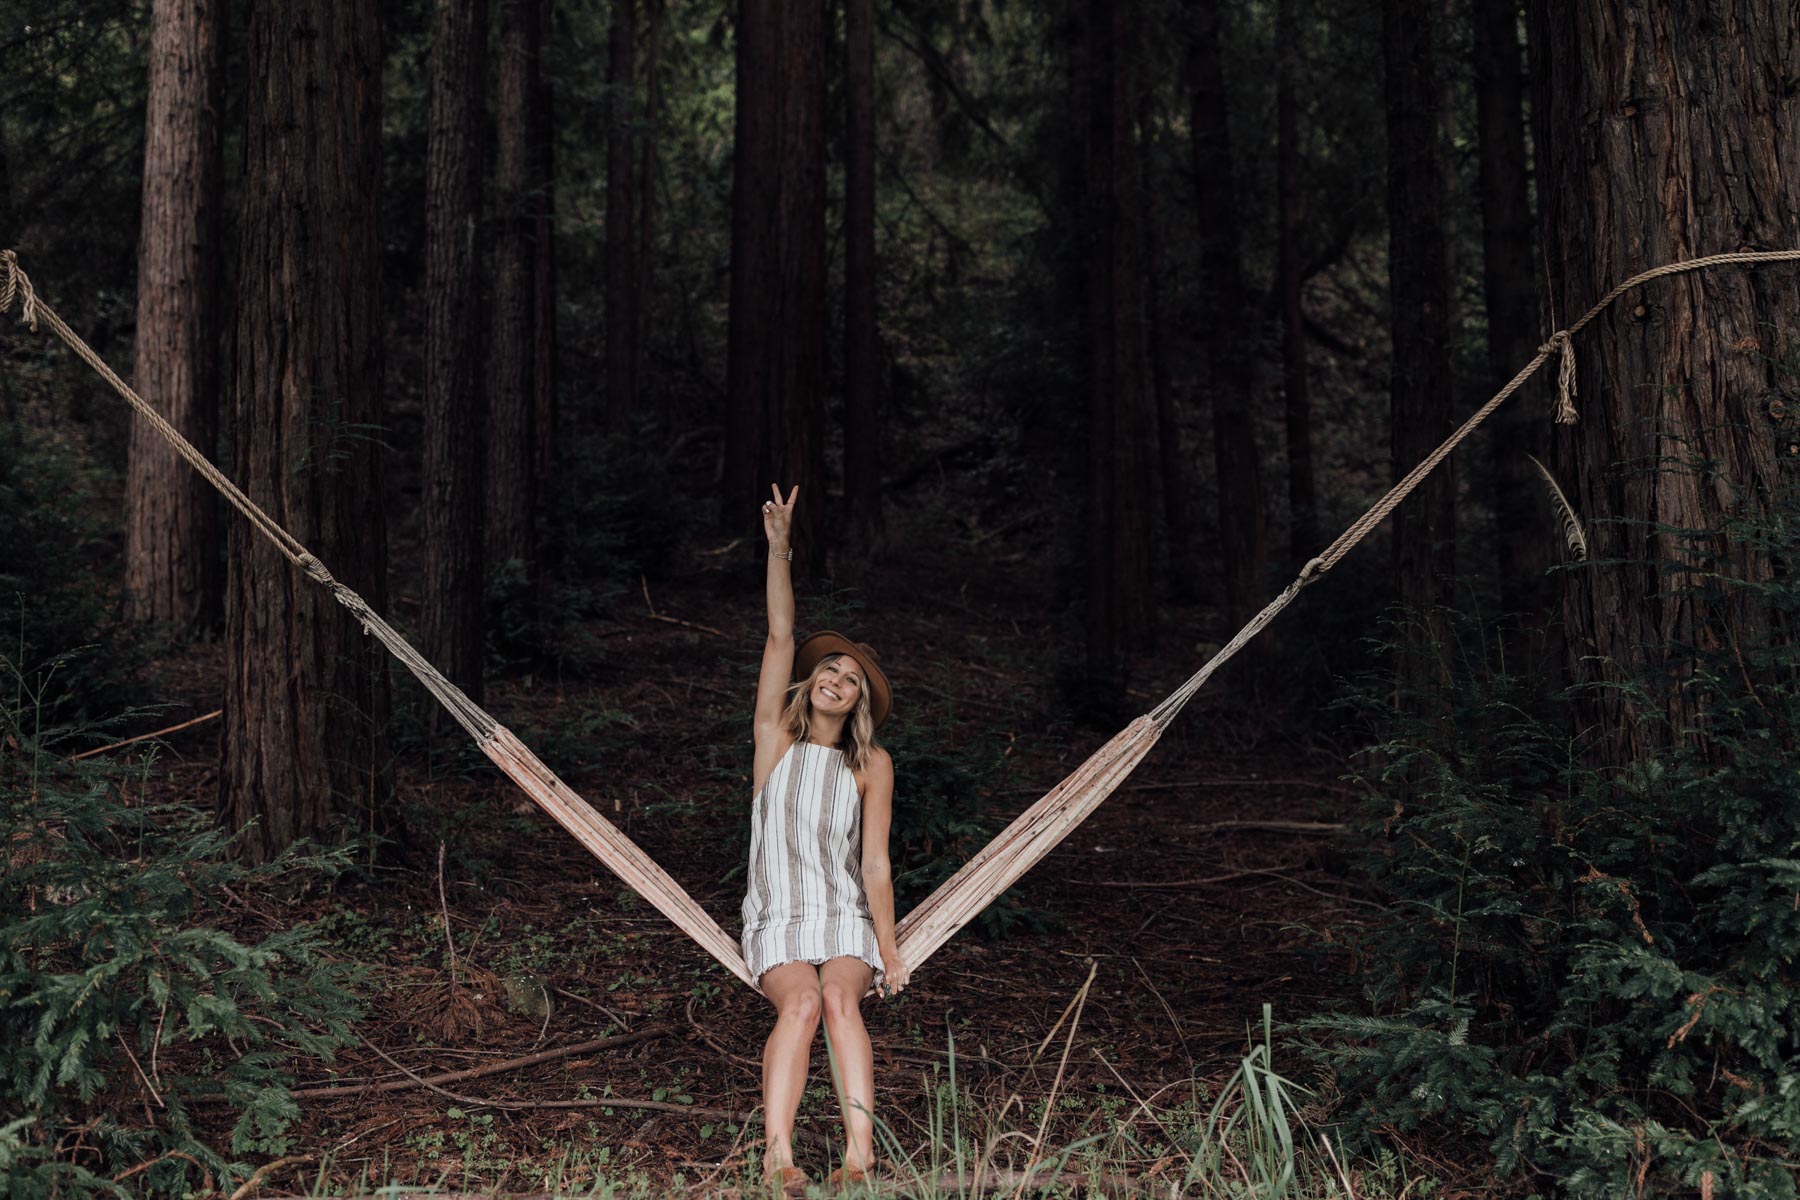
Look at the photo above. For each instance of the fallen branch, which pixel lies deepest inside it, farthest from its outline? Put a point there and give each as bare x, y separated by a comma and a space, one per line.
1177, 884
656, 616
511, 1064
142, 737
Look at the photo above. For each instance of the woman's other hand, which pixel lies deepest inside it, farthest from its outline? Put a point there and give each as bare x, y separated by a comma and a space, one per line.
778, 516
896, 973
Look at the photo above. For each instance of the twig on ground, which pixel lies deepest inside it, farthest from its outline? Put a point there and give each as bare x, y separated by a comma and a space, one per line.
656, 616
716, 1048
511, 1064
1174, 884
621, 1022
142, 737
444, 905
249, 1185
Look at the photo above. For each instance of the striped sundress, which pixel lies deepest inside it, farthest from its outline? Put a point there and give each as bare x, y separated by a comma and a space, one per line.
805, 901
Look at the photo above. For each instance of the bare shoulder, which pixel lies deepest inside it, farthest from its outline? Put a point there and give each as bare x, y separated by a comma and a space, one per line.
879, 769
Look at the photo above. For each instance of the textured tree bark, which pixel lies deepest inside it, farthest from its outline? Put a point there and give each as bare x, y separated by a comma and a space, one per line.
621, 245
1683, 146
775, 369
305, 692
513, 398
451, 624
1303, 504
172, 568
1225, 301
862, 430
1178, 520
1525, 539
1121, 605
1419, 387
545, 406
647, 172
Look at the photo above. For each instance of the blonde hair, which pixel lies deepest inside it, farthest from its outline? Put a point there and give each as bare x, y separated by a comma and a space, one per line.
858, 741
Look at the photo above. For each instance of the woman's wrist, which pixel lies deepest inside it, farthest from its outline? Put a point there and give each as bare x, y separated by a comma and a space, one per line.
785, 553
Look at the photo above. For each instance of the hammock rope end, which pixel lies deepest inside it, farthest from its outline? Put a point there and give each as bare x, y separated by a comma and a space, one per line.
14, 282
1562, 343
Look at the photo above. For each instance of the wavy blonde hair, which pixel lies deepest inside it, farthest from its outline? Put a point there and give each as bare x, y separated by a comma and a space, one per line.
858, 742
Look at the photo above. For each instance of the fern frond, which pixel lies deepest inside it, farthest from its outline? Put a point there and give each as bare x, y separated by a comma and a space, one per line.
1573, 533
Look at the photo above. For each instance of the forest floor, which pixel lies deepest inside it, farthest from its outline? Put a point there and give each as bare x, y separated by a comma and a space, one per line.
1184, 894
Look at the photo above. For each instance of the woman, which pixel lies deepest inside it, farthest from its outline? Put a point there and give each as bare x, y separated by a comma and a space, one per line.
819, 911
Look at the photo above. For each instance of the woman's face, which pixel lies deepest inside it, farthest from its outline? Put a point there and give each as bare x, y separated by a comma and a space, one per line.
836, 687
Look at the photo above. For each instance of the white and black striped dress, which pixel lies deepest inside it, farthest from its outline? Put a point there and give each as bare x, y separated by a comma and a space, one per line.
805, 901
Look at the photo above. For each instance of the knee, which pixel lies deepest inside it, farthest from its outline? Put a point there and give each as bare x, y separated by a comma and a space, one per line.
800, 1008
841, 1004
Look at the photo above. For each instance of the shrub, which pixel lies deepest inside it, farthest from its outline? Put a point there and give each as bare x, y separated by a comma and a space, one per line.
1594, 969
125, 1003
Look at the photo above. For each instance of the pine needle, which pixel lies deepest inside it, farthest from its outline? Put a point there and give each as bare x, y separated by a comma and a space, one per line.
1573, 534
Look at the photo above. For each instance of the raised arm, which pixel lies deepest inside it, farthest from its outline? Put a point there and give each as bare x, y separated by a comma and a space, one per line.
778, 651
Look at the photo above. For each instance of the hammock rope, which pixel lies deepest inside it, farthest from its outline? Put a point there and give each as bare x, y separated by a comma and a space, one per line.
1024, 842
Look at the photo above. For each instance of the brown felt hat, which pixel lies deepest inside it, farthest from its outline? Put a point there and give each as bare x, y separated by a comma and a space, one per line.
827, 642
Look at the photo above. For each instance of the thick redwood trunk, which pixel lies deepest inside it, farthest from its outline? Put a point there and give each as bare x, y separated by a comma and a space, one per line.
775, 402
1225, 305
621, 247
513, 397
545, 407
1525, 543
1303, 505
172, 569
862, 439
1121, 605
452, 486
305, 691
1419, 387
1684, 147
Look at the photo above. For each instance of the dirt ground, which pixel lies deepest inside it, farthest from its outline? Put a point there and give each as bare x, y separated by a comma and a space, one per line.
1185, 894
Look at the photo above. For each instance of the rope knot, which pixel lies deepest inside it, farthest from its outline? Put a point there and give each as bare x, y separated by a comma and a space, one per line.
1563, 343
14, 282
316, 569
1313, 570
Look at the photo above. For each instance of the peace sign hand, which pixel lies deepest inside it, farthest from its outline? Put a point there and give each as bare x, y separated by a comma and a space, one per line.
778, 517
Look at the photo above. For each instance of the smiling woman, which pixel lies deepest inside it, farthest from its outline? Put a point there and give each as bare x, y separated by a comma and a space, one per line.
819, 909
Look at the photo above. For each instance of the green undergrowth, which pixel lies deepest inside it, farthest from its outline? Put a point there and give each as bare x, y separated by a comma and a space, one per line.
149, 1040
1592, 968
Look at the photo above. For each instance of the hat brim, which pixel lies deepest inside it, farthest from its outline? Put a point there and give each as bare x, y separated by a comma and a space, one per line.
827, 642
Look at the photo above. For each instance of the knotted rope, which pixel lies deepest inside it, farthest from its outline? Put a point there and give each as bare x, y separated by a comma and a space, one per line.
1561, 342
1026, 840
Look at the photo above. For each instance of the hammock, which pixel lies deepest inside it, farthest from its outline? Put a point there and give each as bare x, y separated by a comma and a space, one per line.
1032, 835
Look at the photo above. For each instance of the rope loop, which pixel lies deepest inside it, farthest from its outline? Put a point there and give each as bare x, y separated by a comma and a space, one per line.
1563, 342
14, 282
315, 568
1313, 571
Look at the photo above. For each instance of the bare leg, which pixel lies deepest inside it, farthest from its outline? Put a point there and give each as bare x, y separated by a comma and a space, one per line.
844, 981
793, 988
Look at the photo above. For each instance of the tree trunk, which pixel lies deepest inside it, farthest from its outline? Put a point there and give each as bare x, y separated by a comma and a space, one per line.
775, 405
621, 244
172, 568
862, 437
1419, 380
1121, 609
647, 171
545, 408
1680, 149
1303, 504
1525, 535
306, 692
451, 625
513, 398
1225, 301
1178, 522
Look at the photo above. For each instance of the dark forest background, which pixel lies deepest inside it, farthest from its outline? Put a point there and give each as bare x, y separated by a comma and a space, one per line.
511, 310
